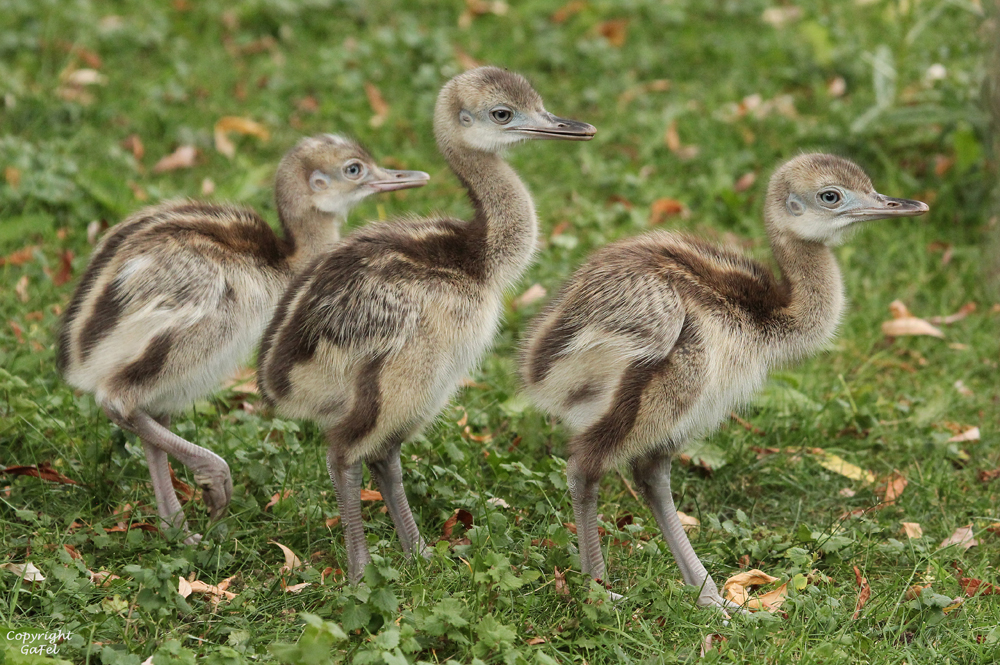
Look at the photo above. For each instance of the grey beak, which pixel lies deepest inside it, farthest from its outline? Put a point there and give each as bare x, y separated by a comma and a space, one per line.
556, 128
889, 207
400, 180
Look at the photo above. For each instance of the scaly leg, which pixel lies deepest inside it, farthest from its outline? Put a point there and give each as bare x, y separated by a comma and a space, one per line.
169, 508
652, 477
347, 487
583, 491
388, 474
211, 472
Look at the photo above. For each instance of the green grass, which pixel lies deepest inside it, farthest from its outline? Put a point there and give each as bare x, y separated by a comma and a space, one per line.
173, 69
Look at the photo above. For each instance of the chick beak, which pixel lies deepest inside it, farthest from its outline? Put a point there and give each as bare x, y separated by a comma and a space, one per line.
548, 126
887, 207
395, 180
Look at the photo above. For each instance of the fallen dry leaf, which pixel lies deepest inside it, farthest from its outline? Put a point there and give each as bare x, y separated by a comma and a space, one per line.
20, 257
183, 587
278, 496
474, 8
560, 578
43, 471
243, 381
663, 208
971, 434
498, 502
332, 522
738, 589
864, 593
478, 438
847, 492
460, 515
990, 475
182, 158
535, 640
569, 9
836, 464
778, 17
963, 311
82, 77
960, 386
215, 593
133, 144
673, 141
711, 639
658, 85
915, 591
961, 537
207, 187
893, 487
836, 86
71, 551
233, 123
13, 176
370, 495
21, 289
291, 561
184, 491
689, 522
27, 571
102, 578
297, 588
615, 31
903, 323
65, 268
913, 530
745, 181
973, 586
464, 59
380, 107
531, 294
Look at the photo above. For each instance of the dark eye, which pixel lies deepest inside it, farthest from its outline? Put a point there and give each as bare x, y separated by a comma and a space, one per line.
501, 115
353, 170
830, 197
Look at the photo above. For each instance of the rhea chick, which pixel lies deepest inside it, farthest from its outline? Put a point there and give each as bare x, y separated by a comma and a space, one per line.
176, 297
657, 338
371, 341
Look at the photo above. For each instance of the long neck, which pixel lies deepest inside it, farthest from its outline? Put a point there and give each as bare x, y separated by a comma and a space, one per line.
811, 274
504, 221
307, 233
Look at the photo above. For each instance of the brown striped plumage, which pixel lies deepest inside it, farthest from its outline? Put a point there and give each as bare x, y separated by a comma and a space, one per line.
176, 296
655, 339
373, 338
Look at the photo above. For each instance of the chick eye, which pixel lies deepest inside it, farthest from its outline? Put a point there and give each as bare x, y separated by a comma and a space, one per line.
501, 115
319, 181
354, 170
829, 197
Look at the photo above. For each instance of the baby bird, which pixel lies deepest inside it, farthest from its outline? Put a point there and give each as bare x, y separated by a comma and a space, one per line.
176, 296
657, 338
371, 341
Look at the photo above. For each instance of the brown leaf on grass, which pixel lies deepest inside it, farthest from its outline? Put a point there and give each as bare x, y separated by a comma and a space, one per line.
380, 107
971, 434
864, 593
535, 641
464, 59
560, 578
689, 522
371, 495
239, 125
20, 257
102, 577
278, 496
745, 181
13, 176
71, 551
478, 438
122, 527
663, 208
778, 17
215, 593
739, 586
913, 530
942, 164
297, 588
26, 571
244, 380
184, 491
291, 561
915, 591
748, 426
65, 268
332, 522
21, 289
658, 85
17, 330
973, 586
846, 492
892, 488
836, 464
133, 144
183, 587
182, 158
615, 31
987, 476
960, 386
566, 11
963, 311
460, 515
903, 323
962, 537
43, 471
836, 86
710, 640
531, 294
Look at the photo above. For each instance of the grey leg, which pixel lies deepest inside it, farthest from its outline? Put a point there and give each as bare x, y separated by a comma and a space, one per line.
210, 471
583, 491
388, 474
652, 477
347, 486
167, 505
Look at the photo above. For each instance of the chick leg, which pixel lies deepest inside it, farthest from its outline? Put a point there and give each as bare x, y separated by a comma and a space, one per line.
167, 505
583, 491
388, 474
211, 472
652, 477
347, 486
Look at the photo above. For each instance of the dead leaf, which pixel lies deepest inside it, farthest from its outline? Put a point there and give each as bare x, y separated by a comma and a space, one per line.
738, 588
560, 578
498, 502
973, 586
102, 578
913, 530
466, 60
971, 434
291, 561
961, 537
963, 311
21, 289
836, 464
370, 495
27, 571
615, 31
987, 476
836, 86
240, 125
460, 515
474, 8
182, 158
745, 181
778, 17
332, 522
13, 176
863, 595
750, 427
478, 438
535, 640
215, 593
297, 588
663, 208
184, 491
711, 639
569, 9
243, 381
84, 77
942, 164
910, 326
278, 496
379, 106
133, 144
43, 471
915, 591
893, 488
658, 85
183, 587
532, 293
847, 492
71, 551
65, 268
689, 522
20, 257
